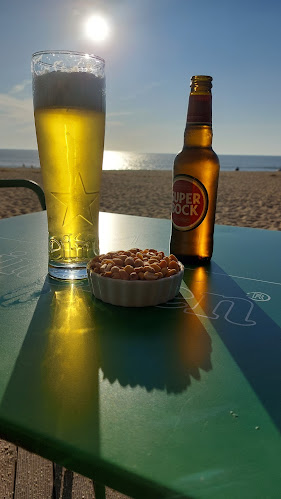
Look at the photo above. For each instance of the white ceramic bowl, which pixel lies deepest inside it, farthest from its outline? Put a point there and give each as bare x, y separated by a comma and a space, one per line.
135, 293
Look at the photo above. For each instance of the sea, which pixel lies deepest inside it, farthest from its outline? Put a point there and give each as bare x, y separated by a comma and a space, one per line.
122, 160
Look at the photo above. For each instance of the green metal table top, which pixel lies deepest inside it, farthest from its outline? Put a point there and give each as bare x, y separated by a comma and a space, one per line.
180, 400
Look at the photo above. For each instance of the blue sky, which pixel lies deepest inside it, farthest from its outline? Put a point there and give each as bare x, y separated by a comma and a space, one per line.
155, 46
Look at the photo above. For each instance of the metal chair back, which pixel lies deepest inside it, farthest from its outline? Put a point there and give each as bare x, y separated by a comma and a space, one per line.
30, 184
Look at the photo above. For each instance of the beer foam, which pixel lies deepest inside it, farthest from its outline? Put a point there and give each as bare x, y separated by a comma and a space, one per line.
69, 89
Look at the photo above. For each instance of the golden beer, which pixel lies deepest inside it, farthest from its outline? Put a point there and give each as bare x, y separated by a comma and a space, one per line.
69, 115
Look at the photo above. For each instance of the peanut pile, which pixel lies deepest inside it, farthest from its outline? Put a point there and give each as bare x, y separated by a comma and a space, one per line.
135, 264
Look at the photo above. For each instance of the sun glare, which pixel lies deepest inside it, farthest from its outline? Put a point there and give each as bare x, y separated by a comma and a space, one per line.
97, 28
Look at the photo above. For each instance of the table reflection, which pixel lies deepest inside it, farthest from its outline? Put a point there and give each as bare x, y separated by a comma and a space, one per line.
70, 366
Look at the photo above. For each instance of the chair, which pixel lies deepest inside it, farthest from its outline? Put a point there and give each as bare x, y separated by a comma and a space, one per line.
26, 183
98, 487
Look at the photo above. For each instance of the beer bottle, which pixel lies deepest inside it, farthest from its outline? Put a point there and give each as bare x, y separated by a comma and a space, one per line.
195, 180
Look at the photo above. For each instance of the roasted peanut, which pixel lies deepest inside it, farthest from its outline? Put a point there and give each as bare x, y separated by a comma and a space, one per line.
150, 276
130, 261
133, 276
117, 261
173, 257
156, 267
164, 271
148, 268
122, 257
173, 265
114, 269
123, 274
135, 264
159, 275
171, 272
139, 262
115, 275
129, 269
138, 269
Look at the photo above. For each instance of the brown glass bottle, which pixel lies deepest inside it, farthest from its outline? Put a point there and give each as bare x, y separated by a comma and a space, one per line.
195, 180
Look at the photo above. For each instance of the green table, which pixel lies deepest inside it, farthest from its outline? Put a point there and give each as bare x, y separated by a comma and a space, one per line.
181, 400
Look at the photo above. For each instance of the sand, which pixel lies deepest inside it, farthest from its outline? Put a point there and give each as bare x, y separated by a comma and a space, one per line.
246, 199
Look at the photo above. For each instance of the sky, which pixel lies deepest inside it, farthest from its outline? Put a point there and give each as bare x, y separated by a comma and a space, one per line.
153, 49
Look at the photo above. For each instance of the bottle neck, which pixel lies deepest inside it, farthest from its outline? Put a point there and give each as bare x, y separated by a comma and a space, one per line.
198, 132
198, 135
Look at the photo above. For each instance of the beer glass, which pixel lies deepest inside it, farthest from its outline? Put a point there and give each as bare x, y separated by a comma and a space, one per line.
69, 110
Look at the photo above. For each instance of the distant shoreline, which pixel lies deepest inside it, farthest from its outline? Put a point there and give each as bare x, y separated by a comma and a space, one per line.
31, 167
122, 160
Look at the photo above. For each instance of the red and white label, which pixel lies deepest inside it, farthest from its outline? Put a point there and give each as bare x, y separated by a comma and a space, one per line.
190, 202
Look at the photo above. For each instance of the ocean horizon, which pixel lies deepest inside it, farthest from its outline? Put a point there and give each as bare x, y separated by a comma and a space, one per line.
123, 160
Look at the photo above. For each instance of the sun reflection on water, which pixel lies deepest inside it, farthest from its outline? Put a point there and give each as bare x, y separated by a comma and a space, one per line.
117, 160
123, 160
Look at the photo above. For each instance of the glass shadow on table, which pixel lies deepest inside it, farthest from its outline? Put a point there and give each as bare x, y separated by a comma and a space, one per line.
148, 347
72, 343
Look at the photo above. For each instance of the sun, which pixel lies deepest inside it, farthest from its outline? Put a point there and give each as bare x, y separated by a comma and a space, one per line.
97, 28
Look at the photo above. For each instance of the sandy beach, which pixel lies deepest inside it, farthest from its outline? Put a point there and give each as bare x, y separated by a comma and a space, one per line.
246, 199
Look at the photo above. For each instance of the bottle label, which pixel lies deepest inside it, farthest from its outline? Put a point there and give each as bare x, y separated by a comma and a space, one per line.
200, 109
190, 202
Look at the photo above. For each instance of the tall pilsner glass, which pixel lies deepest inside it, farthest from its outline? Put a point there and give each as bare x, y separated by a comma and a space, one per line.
69, 110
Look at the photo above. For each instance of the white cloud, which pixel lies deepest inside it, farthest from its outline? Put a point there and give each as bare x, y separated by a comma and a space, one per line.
16, 122
16, 89
15, 109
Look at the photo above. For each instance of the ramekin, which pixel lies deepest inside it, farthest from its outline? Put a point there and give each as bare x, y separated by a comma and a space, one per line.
135, 293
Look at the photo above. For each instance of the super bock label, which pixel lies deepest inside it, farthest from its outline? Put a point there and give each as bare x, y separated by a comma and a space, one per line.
190, 202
